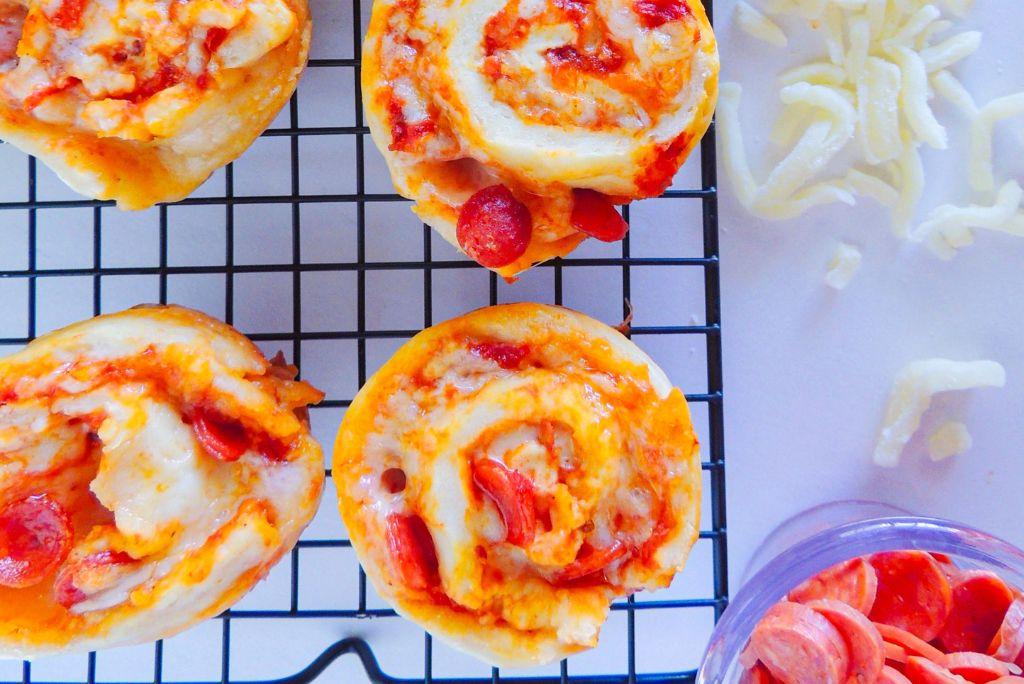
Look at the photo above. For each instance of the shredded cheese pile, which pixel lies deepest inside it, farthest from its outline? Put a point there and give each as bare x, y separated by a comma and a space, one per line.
868, 99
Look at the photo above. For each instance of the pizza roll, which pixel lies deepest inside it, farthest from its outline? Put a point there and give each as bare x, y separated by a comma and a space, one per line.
517, 125
139, 101
153, 467
508, 473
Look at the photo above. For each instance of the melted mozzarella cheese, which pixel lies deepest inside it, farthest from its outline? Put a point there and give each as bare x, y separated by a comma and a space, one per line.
99, 420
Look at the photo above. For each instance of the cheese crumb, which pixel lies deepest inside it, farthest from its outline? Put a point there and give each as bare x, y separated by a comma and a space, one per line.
949, 439
912, 394
843, 266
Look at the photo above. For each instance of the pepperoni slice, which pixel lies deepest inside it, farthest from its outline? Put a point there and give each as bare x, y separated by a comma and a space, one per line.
799, 646
595, 215
1008, 644
863, 641
512, 494
980, 601
913, 592
923, 671
505, 354
976, 667
223, 438
655, 13
853, 582
590, 561
88, 575
758, 674
910, 643
894, 652
412, 551
494, 227
892, 676
35, 538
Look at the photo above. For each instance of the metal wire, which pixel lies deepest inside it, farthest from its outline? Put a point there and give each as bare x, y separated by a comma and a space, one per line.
296, 268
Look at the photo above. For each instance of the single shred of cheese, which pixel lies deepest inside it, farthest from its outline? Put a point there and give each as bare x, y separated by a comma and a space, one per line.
949, 439
958, 7
759, 26
881, 63
843, 266
951, 50
949, 227
912, 394
949, 87
981, 172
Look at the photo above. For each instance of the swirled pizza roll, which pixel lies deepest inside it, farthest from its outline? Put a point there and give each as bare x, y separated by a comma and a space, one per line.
517, 125
140, 100
508, 473
153, 467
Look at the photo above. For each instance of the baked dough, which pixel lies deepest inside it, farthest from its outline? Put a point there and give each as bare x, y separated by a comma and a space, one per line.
153, 467
508, 473
140, 100
550, 98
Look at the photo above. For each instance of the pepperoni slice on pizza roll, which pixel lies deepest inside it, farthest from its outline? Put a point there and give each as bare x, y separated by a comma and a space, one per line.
508, 473
139, 101
517, 125
153, 467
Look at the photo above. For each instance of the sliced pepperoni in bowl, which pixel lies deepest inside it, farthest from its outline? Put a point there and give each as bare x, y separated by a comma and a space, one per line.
933, 621
35, 538
853, 582
923, 671
980, 602
891, 675
863, 640
910, 643
913, 592
799, 646
1008, 643
758, 674
978, 667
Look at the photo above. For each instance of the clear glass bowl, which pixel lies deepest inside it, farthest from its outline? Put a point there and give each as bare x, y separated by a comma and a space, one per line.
821, 537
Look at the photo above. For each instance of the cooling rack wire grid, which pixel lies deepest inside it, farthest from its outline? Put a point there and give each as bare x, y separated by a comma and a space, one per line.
303, 245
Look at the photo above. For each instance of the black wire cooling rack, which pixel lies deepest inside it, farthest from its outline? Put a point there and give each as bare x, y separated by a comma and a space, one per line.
30, 277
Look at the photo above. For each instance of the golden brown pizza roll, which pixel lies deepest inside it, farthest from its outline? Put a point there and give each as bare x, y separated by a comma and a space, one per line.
517, 125
153, 467
508, 473
139, 101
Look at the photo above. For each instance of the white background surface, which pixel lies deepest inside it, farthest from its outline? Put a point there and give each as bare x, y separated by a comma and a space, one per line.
807, 369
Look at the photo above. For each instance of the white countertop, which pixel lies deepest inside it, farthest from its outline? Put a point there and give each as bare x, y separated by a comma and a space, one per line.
808, 369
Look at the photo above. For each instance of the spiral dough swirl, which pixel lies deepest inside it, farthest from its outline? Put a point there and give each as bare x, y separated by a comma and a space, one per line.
510, 472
